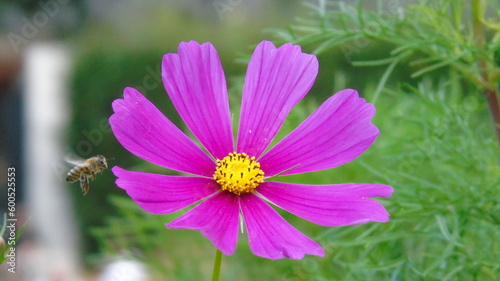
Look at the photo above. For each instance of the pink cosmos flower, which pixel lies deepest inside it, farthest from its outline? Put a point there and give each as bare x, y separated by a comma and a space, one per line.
231, 178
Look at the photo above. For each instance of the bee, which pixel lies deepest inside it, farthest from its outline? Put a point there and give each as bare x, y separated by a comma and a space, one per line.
85, 170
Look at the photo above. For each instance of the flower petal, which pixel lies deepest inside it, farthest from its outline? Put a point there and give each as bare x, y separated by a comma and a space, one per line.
216, 218
270, 236
276, 80
162, 194
329, 205
144, 131
336, 133
195, 82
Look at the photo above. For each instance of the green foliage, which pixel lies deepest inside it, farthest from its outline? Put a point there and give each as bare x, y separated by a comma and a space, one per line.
428, 35
440, 157
436, 148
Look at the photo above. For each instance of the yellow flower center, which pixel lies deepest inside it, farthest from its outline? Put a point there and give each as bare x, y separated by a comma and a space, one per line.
238, 173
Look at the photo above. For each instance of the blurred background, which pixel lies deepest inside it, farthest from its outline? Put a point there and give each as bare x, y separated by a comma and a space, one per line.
63, 62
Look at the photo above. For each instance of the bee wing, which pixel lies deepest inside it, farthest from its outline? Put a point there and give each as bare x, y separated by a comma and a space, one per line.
84, 184
73, 160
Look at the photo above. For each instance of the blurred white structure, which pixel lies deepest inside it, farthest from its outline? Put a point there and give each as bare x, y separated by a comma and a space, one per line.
53, 254
124, 270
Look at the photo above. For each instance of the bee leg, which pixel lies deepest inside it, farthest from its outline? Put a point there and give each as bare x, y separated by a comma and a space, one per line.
92, 174
84, 183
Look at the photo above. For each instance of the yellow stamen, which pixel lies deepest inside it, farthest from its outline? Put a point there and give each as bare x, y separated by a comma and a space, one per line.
238, 173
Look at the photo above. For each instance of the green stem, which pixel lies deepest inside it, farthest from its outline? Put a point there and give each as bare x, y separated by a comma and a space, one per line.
217, 264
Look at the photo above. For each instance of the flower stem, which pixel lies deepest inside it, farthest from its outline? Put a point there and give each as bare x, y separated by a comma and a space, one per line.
217, 264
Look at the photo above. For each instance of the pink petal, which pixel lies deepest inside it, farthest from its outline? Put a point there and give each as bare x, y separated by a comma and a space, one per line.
336, 133
162, 194
329, 205
276, 80
216, 218
195, 82
144, 131
270, 236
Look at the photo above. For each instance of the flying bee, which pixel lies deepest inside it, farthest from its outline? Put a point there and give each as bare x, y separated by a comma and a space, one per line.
85, 170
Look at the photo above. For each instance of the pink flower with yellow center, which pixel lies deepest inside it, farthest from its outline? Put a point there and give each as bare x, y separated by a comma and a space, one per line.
231, 180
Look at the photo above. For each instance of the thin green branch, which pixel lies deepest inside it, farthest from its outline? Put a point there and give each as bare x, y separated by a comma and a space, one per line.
383, 80
490, 91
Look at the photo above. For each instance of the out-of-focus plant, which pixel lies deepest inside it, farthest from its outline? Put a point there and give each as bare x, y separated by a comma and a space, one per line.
3, 245
428, 35
7, 248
